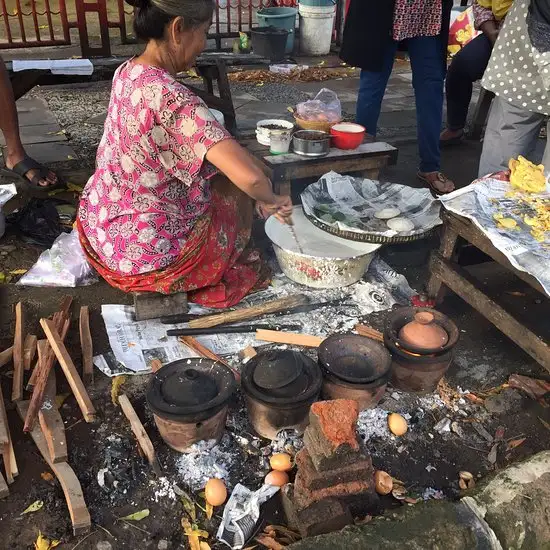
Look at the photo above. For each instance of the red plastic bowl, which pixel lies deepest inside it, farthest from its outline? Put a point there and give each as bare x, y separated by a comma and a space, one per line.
347, 135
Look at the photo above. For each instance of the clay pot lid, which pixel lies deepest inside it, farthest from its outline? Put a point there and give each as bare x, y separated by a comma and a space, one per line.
281, 376
190, 386
424, 332
353, 358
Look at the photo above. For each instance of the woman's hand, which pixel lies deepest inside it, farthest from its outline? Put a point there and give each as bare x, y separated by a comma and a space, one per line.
281, 207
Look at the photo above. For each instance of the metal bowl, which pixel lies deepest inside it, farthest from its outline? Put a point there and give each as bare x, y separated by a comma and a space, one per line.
311, 143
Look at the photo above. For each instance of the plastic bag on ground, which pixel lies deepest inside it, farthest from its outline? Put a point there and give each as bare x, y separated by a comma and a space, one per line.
324, 107
6, 193
63, 265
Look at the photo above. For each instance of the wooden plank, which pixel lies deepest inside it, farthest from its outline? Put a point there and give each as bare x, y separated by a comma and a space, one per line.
34, 372
290, 338
18, 358
77, 387
466, 229
53, 429
80, 517
203, 351
246, 313
369, 332
247, 353
137, 427
463, 284
6, 356
29, 350
6, 449
4, 491
86, 345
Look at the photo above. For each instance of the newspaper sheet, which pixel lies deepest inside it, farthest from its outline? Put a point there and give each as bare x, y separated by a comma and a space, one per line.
135, 344
487, 197
241, 513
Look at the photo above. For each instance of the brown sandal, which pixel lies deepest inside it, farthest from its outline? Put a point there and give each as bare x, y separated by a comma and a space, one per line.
435, 181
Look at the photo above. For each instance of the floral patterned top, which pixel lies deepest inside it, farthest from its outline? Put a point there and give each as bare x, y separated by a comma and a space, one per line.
416, 18
151, 179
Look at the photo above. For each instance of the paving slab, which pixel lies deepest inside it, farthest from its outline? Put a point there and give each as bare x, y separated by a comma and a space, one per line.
49, 152
33, 111
40, 133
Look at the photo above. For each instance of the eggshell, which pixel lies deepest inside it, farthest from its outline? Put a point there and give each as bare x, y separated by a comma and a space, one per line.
215, 492
281, 462
400, 224
276, 478
383, 482
397, 424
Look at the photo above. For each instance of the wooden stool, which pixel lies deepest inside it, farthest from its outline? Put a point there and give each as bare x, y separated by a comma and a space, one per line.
152, 305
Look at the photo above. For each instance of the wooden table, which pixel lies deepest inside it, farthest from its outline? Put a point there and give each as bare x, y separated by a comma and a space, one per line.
366, 160
445, 271
211, 67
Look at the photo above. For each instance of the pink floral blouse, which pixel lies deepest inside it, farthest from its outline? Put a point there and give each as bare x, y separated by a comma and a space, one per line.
151, 179
416, 18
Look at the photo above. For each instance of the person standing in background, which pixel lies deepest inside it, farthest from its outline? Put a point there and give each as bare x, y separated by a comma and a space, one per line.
469, 64
373, 31
519, 75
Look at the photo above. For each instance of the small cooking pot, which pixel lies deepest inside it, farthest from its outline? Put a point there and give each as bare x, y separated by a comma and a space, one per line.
311, 143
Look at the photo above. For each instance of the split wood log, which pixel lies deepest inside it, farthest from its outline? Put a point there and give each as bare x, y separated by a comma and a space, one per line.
137, 427
77, 386
86, 345
34, 372
18, 358
252, 312
42, 371
4, 491
290, 338
247, 353
6, 356
29, 350
6, 447
369, 332
80, 517
203, 351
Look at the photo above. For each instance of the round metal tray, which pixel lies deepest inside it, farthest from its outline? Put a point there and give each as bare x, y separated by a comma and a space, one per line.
370, 237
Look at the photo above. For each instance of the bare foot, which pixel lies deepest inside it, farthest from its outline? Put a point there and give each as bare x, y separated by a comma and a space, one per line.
14, 158
438, 182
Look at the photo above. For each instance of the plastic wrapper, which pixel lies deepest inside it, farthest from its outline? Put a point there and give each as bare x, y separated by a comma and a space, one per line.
63, 265
325, 107
6, 193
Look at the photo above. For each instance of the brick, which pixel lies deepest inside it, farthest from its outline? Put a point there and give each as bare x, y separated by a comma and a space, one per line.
334, 423
311, 478
318, 519
324, 458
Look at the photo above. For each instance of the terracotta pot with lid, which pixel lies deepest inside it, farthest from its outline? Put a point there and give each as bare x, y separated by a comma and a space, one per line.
189, 400
279, 387
423, 332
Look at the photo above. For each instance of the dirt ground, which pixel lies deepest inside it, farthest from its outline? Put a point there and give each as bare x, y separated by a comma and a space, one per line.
105, 453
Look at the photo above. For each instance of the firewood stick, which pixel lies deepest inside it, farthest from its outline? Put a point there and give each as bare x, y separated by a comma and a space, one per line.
5, 356
18, 355
86, 346
75, 382
42, 371
29, 350
369, 332
6, 448
203, 351
247, 313
290, 338
137, 427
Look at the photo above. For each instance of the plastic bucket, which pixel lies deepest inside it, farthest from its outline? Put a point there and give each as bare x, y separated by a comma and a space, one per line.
316, 25
318, 2
281, 18
269, 42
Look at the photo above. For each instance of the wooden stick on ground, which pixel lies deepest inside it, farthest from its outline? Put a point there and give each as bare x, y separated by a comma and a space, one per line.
29, 350
137, 427
82, 397
4, 491
290, 338
18, 358
203, 351
7, 446
80, 517
86, 346
369, 332
249, 312
42, 371
247, 353
5, 356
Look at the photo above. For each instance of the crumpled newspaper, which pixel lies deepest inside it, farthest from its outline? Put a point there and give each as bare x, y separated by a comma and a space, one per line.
241, 514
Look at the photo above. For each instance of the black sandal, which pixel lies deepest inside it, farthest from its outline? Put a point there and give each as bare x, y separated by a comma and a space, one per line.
23, 167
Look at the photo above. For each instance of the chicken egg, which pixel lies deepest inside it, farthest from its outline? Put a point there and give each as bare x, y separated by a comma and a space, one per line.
276, 478
397, 424
215, 492
281, 462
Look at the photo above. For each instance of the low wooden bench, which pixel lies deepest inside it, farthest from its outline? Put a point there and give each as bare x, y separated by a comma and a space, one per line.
446, 271
366, 160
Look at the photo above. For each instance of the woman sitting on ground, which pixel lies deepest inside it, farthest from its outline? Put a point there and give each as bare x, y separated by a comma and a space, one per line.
158, 215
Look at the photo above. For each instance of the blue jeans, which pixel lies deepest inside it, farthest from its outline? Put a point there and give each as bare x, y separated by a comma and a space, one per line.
428, 72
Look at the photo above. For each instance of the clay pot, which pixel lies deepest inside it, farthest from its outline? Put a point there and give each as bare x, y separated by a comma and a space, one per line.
424, 332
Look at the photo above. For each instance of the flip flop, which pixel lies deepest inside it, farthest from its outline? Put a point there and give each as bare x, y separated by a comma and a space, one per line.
434, 190
24, 166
